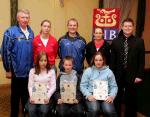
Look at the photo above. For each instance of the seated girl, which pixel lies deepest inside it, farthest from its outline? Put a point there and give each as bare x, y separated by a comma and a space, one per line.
97, 72
41, 86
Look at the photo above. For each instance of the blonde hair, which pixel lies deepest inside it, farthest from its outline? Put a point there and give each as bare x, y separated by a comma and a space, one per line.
46, 21
72, 19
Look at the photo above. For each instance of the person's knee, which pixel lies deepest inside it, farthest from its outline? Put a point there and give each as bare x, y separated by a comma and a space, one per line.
61, 112
93, 109
31, 108
45, 110
110, 112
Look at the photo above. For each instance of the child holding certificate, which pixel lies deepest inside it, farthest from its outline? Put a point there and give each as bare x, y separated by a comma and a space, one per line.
41, 86
99, 87
68, 95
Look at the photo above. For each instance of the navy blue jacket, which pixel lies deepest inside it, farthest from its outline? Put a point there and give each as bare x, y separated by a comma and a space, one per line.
17, 52
74, 47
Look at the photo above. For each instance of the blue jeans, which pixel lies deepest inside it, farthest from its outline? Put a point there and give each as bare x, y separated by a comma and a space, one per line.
38, 110
69, 110
94, 107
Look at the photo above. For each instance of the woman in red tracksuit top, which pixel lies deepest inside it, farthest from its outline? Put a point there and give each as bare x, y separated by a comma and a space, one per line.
46, 42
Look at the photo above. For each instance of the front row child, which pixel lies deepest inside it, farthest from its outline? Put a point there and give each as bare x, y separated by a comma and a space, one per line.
68, 95
41, 86
98, 75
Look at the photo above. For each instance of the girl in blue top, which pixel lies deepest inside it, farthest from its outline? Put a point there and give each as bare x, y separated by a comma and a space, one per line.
99, 71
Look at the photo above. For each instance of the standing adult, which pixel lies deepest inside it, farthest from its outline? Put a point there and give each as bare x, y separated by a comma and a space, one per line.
72, 44
98, 44
17, 59
127, 63
45, 42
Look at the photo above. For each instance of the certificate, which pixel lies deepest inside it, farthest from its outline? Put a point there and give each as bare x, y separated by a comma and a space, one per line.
68, 93
39, 93
100, 89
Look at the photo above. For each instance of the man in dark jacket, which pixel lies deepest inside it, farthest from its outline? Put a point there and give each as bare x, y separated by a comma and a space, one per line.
72, 44
127, 63
17, 59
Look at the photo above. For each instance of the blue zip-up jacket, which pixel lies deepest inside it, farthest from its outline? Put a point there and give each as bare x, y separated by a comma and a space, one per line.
91, 74
74, 47
17, 52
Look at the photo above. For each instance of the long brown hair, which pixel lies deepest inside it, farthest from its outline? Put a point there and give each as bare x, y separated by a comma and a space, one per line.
98, 53
37, 66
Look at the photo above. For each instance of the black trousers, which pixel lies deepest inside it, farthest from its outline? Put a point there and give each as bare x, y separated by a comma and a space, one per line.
19, 92
127, 93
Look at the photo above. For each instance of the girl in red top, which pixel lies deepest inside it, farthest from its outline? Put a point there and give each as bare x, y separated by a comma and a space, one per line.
46, 42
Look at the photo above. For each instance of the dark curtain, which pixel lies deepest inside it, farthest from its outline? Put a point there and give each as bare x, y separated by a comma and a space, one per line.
140, 17
13, 11
100, 3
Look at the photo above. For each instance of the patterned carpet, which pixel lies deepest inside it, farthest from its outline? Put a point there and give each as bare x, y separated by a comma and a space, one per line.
4, 101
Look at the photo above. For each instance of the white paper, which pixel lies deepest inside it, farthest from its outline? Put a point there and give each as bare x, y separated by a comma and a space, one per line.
39, 93
100, 89
68, 93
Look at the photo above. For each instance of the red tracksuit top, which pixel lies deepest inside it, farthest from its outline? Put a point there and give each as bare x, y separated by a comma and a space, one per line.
51, 48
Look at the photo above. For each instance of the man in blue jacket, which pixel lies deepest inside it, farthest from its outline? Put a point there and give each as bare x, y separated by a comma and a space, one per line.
17, 59
72, 44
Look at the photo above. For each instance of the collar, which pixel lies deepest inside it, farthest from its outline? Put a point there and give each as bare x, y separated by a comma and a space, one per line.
129, 38
77, 35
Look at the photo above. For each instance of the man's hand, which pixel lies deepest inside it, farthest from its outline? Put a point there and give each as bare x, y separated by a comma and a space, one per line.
8, 75
138, 80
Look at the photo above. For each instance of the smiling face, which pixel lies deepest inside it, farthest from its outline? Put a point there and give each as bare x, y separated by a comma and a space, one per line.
128, 28
23, 19
72, 27
43, 62
98, 33
45, 27
98, 61
68, 66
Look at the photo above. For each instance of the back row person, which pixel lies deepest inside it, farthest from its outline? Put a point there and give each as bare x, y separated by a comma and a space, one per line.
98, 44
127, 63
46, 42
17, 54
72, 44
